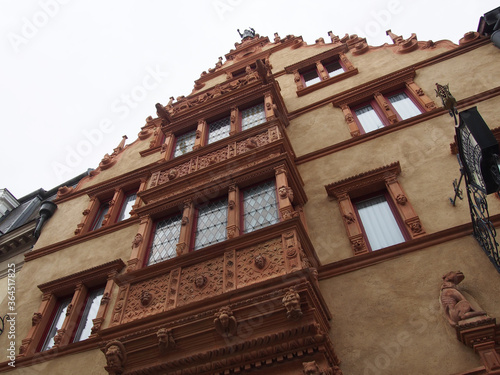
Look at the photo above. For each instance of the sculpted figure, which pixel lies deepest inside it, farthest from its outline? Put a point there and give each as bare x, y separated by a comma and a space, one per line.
165, 339
291, 301
225, 322
455, 306
115, 357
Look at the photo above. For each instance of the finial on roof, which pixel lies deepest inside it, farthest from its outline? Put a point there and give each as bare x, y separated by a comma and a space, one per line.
248, 33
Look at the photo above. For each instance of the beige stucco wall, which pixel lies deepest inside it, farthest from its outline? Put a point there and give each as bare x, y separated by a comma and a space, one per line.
428, 170
68, 261
128, 160
387, 318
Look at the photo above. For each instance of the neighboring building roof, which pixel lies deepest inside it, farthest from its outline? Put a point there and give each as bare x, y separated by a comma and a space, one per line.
19, 216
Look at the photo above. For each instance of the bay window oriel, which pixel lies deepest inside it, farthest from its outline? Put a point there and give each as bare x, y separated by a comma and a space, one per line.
202, 223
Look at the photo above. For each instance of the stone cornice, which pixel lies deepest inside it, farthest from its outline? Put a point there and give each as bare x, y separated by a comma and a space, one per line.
370, 178
52, 248
90, 277
351, 264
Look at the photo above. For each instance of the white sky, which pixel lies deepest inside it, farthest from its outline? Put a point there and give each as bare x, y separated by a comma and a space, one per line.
68, 66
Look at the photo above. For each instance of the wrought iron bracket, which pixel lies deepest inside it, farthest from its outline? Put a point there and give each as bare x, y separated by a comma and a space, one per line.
2, 322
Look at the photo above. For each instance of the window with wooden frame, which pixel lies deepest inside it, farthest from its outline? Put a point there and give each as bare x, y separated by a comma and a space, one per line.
218, 127
384, 110
376, 211
379, 220
73, 308
382, 102
184, 143
321, 70
110, 207
260, 206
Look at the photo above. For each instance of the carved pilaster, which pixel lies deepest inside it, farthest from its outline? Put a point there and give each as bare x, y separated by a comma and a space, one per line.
386, 108
269, 107
298, 79
321, 70
173, 289
235, 121
420, 96
349, 118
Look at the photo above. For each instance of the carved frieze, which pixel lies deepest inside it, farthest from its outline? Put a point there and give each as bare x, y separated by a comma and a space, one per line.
201, 281
146, 298
260, 262
234, 149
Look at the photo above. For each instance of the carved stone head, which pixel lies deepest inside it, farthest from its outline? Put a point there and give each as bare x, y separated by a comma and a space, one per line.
260, 261
146, 298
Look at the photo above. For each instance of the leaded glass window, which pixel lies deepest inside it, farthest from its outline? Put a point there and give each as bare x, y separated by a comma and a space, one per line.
165, 239
184, 143
219, 129
260, 207
211, 223
253, 116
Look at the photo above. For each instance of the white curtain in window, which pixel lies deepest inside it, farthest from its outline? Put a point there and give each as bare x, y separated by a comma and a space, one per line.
404, 106
368, 118
379, 223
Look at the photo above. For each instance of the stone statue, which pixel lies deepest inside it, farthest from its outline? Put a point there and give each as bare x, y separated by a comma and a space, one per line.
247, 33
291, 301
455, 305
115, 357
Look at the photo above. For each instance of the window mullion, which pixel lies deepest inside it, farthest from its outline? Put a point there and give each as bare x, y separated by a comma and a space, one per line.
186, 228
386, 108
65, 333
167, 148
233, 212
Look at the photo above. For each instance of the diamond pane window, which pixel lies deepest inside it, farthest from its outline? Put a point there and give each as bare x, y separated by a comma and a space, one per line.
260, 206
165, 239
184, 143
128, 202
219, 129
253, 116
211, 224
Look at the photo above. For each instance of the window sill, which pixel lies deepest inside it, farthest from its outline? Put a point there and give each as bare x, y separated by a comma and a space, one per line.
327, 82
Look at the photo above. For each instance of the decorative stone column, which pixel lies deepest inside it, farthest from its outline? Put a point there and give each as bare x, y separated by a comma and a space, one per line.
186, 225
285, 193
233, 212
167, 146
201, 134
349, 118
139, 244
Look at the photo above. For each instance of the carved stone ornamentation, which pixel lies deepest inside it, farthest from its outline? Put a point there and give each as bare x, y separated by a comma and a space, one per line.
137, 241
225, 322
35, 319
200, 281
146, 298
172, 174
285, 192
291, 301
260, 261
349, 218
165, 340
116, 357
455, 305
401, 199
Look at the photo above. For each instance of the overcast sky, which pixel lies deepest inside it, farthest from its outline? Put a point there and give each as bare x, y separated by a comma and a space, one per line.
75, 76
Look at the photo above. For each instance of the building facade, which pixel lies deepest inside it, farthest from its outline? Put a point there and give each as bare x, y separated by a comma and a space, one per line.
291, 215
